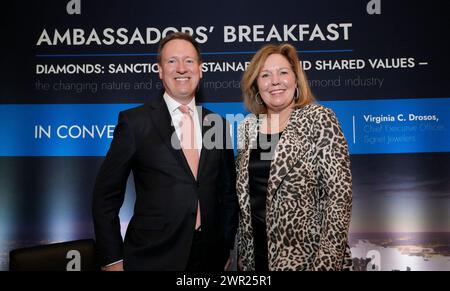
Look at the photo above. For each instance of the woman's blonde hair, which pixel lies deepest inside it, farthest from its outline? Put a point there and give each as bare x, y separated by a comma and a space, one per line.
249, 84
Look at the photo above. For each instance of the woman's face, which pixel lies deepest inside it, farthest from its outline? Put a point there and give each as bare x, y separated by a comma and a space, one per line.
276, 83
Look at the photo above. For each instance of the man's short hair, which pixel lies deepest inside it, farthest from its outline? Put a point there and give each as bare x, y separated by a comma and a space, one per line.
178, 35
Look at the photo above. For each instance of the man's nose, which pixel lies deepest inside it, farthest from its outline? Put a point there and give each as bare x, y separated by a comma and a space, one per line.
181, 68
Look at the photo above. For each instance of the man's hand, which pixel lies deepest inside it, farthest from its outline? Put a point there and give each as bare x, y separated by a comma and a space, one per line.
227, 264
114, 267
240, 266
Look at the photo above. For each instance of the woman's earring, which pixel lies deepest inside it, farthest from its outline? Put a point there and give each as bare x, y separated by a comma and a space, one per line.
297, 94
259, 99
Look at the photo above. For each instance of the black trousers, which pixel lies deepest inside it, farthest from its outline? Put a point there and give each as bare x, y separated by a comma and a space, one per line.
196, 261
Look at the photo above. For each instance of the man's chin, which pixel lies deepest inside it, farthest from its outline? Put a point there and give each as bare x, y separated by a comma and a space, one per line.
184, 96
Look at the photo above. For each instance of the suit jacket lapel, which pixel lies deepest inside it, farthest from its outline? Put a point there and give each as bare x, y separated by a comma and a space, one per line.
290, 149
249, 143
163, 123
203, 121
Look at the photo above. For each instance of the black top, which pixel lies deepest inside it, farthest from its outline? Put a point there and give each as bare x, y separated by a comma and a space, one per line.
259, 170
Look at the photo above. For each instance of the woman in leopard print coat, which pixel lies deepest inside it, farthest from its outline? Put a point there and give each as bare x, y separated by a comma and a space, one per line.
307, 181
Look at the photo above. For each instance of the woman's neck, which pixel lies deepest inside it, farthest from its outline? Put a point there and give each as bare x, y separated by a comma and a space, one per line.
274, 122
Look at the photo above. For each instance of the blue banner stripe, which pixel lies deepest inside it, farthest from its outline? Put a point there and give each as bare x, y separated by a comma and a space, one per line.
204, 53
370, 126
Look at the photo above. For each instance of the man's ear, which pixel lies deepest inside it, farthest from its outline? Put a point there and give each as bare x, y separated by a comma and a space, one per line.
160, 71
201, 72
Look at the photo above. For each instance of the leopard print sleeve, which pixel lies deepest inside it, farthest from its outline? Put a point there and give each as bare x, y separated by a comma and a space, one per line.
245, 246
240, 142
335, 182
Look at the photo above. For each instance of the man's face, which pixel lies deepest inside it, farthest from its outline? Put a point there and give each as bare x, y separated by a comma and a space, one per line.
180, 70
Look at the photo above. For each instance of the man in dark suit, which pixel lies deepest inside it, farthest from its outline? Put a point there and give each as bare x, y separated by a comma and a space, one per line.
185, 215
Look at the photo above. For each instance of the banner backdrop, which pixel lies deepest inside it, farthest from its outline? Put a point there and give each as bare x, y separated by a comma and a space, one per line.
69, 67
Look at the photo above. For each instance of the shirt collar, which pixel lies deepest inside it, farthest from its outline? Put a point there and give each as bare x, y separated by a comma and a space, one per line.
173, 105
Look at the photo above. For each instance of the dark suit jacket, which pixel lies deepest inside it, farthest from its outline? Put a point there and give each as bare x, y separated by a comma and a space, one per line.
160, 232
